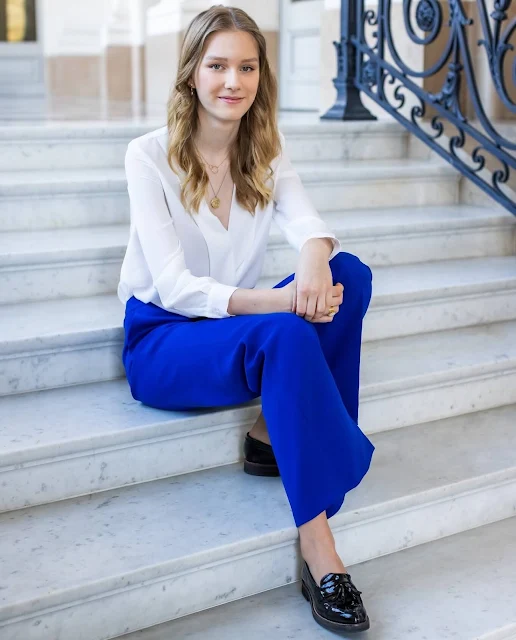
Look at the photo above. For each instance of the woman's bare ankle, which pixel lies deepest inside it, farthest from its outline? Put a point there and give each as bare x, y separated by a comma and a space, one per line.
322, 562
318, 548
259, 430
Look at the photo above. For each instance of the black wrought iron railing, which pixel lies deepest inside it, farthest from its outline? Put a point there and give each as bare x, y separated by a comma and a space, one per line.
440, 102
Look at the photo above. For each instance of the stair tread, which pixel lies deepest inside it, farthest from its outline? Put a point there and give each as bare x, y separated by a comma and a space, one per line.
151, 529
104, 413
127, 128
403, 594
67, 316
59, 244
76, 131
57, 176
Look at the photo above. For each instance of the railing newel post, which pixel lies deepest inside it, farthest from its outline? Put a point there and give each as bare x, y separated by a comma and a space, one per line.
348, 104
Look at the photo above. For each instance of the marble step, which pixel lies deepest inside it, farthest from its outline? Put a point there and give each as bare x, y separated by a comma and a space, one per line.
86, 261
234, 534
31, 200
79, 340
89, 145
416, 298
54, 343
54, 145
54, 199
403, 593
70, 441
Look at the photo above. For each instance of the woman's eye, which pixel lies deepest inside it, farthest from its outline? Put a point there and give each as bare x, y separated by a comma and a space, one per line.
216, 64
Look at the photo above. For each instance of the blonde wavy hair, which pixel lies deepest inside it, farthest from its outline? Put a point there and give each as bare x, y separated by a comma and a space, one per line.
258, 141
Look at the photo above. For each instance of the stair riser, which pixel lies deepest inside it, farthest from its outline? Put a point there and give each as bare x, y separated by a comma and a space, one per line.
100, 274
60, 367
63, 210
439, 314
26, 155
403, 191
365, 145
382, 251
43, 282
172, 595
111, 207
112, 466
46, 282
62, 154
468, 394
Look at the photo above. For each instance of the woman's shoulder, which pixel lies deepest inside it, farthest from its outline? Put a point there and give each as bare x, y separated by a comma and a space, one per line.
150, 143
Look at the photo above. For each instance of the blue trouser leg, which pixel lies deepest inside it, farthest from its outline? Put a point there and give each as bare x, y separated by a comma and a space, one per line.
341, 339
306, 374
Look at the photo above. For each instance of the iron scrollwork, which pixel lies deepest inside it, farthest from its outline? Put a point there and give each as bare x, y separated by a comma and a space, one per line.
463, 134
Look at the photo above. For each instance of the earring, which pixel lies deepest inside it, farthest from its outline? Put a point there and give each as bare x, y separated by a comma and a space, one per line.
191, 90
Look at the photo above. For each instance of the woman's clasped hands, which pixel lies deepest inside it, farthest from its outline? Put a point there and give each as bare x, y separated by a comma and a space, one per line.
312, 292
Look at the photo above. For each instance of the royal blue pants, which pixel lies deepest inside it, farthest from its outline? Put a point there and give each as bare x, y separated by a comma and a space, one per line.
307, 375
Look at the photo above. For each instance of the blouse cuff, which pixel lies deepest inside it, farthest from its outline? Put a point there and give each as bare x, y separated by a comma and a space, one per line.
218, 300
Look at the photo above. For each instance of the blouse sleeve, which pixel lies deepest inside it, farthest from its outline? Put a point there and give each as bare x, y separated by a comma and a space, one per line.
293, 211
179, 290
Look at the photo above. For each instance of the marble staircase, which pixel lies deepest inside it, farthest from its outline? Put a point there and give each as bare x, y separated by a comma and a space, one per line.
107, 505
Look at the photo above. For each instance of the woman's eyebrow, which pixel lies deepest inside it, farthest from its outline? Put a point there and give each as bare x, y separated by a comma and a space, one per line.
225, 59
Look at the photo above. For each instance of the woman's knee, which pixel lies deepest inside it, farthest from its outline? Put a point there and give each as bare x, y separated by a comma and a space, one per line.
290, 328
349, 270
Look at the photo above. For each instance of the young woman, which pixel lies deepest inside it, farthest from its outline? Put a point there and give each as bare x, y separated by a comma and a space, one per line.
203, 191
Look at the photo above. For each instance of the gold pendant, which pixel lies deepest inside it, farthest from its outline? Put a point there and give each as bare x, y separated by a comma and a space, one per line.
215, 203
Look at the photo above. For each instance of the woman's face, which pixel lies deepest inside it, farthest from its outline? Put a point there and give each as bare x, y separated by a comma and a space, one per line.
228, 69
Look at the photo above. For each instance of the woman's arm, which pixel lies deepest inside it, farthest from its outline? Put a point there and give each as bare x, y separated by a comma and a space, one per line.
307, 232
294, 213
247, 301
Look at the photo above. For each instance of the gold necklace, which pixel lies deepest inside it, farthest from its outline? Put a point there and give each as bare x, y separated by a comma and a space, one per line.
215, 202
214, 167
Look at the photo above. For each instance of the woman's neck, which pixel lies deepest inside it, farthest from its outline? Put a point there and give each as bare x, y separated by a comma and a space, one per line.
214, 138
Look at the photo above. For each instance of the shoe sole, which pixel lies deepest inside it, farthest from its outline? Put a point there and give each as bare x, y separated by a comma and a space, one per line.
256, 469
328, 624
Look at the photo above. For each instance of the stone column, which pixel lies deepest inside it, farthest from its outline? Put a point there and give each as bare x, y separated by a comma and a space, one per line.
163, 42
330, 31
73, 56
124, 37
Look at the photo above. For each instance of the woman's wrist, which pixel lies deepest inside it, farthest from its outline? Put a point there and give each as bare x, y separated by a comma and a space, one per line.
320, 246
284, 299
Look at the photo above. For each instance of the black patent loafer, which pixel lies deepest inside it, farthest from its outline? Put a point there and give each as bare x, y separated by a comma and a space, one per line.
259, 459
336, 603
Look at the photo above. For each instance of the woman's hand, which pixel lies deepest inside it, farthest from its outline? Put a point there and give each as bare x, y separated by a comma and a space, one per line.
314, 280
334, 299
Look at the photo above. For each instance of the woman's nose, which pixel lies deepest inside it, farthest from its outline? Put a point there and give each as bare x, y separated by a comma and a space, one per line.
232, 80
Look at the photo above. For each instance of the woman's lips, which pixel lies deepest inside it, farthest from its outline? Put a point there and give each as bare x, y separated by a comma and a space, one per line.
231, 100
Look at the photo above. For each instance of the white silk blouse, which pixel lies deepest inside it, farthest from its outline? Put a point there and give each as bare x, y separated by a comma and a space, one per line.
190, 264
